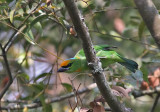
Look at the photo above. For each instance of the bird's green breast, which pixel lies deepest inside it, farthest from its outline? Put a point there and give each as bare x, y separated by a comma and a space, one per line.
78, 65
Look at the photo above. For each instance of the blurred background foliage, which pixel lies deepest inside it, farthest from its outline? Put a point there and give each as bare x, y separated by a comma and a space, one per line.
36, 30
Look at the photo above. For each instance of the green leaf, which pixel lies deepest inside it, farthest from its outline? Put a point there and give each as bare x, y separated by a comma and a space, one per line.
38, 26
108, 2
18, 4
41, 76
67, 86
9, 1
38, 19
29, 35
11, 15
145, 72
36, 22
141, 28
30, 4
63, 21
36, 91
23, 76
3, 6
2, 1
91, 6
37, 87
47, 108
20, 12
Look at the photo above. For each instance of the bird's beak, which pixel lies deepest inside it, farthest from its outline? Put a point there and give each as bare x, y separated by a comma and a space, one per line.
62, 69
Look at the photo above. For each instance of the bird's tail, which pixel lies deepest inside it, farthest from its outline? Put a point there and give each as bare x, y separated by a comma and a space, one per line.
131, 65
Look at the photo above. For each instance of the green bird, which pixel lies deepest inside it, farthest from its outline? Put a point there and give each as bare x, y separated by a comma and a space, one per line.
105, 53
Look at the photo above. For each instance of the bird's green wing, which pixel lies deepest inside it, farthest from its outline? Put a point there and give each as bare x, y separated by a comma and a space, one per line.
80, 55
108, 56
104, 48
98, 48
107, 52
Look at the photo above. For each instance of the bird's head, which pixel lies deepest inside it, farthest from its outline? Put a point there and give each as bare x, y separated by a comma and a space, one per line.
65, 65
71, 65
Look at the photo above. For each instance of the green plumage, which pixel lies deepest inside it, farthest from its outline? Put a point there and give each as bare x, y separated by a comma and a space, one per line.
106, 55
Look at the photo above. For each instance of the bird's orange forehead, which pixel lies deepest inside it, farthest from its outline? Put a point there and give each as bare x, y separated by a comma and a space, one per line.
65, 63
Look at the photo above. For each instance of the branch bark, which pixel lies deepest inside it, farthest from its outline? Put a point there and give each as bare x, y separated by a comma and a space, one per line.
48, 101
146, 92
151, 18
8, 72
93, 61
155, 103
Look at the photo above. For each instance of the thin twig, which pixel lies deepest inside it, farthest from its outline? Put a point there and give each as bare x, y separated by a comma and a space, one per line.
58, 53
78, 95
109, 9
14, 35
75, 94
8, 72
146, 92
49, 100
155, 102
125, 38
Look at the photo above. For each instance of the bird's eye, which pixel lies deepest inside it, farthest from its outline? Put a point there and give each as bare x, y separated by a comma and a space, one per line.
69, 65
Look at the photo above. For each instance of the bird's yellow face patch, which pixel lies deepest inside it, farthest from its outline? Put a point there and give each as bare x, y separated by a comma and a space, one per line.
65, 63
77, 57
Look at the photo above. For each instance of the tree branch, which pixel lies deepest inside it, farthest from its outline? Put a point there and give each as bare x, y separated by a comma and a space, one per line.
155, 102
4, 54
146, 92
14, 35
151, 18
125, 38
93, 61
8, 72
48, 101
